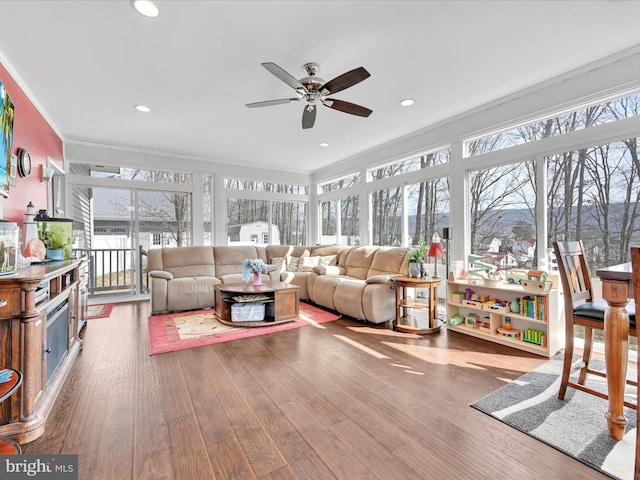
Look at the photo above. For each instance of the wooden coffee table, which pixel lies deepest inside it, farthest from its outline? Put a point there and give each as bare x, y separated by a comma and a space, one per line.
282, 302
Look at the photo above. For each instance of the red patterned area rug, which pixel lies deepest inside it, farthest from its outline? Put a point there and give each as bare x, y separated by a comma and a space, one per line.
179, 331
99, 311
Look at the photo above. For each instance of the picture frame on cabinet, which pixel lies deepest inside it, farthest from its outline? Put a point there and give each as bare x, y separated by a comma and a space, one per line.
13, 170
7, 111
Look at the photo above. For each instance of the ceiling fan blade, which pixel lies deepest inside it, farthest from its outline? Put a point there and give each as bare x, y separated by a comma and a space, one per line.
309, 116
347, 107
285, 76
345, 80
268, 103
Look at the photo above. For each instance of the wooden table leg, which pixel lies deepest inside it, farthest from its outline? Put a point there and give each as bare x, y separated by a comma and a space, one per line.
616, 348
433, 307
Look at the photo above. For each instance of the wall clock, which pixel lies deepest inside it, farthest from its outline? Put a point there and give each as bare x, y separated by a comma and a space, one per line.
24, 162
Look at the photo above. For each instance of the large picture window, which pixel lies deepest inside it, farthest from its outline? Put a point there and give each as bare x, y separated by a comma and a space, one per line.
248, 220
268, 220
290, 220
427, 209
340, 221
386, 217
594, 196
502, 217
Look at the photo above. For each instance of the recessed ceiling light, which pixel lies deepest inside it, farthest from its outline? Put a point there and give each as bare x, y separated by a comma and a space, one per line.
407, 102
145, 7
324, 144
142, 108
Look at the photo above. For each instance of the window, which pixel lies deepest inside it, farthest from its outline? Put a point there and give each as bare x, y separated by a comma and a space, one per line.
427, 209
594, 196
340, 184
409, 165
260, 186
386, 217
138, 174
207, 209
349, 220
503, 217
340, 221
598, 114
328, 222
273, 220
247, 220
289, 222
165, 212
156, 239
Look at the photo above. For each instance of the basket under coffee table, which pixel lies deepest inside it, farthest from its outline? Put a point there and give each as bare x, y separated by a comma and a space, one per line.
282, 302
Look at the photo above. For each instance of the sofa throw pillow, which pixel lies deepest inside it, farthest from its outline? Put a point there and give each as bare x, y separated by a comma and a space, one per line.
279, 264
327, 260
307, 264
292, 264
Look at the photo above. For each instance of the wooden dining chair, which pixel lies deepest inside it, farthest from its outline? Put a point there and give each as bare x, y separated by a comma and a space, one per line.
581, 309
635, 269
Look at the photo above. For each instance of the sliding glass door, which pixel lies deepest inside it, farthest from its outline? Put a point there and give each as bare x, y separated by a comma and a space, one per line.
125, 224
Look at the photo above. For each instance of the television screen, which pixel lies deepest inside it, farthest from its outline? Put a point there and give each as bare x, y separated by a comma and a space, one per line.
6, 139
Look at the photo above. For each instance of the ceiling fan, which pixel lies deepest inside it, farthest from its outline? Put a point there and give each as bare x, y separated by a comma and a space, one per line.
314, 90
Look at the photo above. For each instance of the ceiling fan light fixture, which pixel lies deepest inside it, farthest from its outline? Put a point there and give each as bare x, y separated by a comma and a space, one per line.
145, 7
407, 102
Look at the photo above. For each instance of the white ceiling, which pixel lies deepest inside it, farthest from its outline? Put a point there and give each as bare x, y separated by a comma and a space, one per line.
87, 63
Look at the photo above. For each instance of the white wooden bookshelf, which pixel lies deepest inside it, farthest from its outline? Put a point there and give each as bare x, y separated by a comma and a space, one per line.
541, 323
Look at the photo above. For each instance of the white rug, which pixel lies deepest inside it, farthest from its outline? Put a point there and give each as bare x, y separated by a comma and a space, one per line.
575, 425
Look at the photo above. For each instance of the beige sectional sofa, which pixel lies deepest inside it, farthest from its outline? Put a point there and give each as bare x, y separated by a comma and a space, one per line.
354, 281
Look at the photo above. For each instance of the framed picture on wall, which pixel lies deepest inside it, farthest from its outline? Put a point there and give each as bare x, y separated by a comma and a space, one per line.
13, 170
6, 139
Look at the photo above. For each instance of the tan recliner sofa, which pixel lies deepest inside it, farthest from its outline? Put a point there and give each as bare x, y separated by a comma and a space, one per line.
354, 281
360, 286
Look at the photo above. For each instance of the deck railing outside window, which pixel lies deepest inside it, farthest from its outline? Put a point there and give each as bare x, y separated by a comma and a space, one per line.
112, 271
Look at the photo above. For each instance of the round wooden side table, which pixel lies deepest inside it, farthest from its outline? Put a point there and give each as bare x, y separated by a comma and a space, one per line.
407, 307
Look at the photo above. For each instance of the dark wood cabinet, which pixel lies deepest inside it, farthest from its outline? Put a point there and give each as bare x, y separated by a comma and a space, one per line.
39, 327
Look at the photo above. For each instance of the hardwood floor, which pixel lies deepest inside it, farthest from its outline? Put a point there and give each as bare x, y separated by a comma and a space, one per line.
341, 400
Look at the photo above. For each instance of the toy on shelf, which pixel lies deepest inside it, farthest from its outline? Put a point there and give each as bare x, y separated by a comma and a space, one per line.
531, 335
511, 332
472, 320
515, 275
536, 282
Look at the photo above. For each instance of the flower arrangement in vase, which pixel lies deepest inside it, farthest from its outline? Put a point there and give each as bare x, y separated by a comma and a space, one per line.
253, 266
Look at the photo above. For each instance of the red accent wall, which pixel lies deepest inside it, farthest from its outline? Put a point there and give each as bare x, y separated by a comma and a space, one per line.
30, 131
